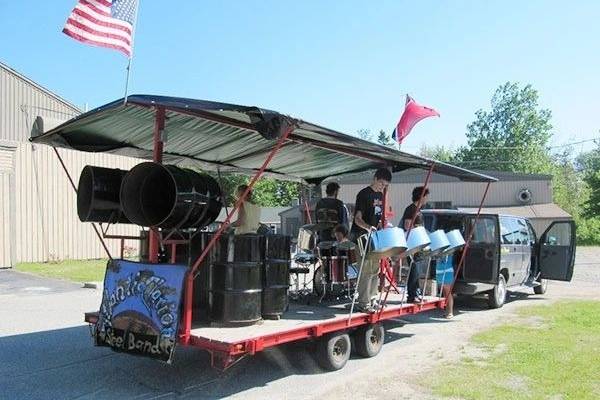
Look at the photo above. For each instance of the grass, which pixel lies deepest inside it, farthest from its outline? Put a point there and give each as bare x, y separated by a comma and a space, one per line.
553, 352
73, 270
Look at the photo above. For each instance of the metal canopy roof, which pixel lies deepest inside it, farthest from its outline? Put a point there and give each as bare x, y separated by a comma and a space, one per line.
232, 138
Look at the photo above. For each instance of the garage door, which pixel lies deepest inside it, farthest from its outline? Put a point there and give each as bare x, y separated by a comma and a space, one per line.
6, 203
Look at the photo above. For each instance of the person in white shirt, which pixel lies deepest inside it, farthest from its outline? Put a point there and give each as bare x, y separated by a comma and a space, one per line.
248, 220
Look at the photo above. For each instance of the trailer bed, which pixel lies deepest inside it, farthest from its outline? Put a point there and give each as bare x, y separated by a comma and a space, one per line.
301, 321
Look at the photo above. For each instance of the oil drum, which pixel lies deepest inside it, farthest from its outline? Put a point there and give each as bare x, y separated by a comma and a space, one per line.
277, 247
275, 288
236, 292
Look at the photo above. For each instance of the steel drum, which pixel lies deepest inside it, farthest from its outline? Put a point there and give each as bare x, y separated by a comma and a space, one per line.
417, 240
439, 243
387, 242
456, 240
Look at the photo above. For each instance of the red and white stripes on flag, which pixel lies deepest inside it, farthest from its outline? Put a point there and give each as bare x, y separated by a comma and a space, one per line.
105, 23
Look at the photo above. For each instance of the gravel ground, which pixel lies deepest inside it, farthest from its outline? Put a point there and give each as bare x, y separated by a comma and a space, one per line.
46, 350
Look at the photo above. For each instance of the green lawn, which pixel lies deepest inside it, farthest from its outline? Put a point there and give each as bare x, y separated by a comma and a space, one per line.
553, 353
73, 270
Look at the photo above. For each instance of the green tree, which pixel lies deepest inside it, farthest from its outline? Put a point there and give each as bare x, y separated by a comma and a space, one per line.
437, 152
589, 165
568, 188
512, 136
365, 134
386, 140
267, 192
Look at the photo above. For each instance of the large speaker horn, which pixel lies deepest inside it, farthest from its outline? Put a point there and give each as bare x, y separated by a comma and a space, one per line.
167, 196
98, 195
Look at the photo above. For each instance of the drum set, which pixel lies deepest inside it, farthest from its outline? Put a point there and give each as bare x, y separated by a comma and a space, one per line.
336, 265
333, 264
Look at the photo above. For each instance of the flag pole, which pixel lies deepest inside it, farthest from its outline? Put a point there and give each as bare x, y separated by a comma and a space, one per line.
137, 8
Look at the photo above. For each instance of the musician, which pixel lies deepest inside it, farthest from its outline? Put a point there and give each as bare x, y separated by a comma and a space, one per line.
331, 210
341, 233
248, 220
414, 212
367, 217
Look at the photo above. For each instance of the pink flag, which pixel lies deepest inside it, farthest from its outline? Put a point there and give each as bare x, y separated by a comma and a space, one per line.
412, 114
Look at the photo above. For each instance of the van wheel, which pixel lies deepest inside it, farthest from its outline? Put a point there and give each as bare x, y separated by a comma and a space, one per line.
542, 287
368, 340
333, 351
497, 296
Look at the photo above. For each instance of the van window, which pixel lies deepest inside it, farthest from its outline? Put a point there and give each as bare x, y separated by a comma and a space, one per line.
485, 231
523, 234
507, 230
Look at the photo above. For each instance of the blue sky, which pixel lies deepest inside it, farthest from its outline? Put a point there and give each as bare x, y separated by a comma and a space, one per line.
342, 64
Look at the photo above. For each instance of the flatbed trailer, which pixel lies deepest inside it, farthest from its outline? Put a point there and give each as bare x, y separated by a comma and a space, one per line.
227, 345
231, 138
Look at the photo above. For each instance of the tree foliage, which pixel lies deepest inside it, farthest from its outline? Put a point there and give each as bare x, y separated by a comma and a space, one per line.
512, 136
266, 192
365, 134
437, 152
589, 165
384, 139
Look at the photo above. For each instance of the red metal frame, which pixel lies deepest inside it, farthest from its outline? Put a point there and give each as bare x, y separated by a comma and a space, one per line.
189, 283
468, 241
157, 155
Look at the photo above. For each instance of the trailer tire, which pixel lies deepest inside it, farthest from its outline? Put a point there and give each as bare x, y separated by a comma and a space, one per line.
333, 351
368, 340
497, 296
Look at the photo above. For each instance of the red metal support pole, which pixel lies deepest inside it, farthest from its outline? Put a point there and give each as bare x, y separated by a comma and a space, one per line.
307, 209
157, 155
420, 202
471, 231
189, 287
62, 163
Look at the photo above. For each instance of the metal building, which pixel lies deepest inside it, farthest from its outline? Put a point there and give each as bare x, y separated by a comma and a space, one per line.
527, 195
37, 203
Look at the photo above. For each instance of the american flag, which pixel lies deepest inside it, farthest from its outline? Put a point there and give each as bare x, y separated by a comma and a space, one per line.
106, 23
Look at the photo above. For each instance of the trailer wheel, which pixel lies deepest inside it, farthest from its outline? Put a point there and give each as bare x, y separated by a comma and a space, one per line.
368, 340
333, 351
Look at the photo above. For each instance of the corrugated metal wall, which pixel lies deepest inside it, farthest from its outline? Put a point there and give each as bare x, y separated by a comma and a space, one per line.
40, 213
467, 194
47, 226
22, 101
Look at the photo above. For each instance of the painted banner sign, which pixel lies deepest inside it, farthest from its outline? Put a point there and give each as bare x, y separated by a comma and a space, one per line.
139, 313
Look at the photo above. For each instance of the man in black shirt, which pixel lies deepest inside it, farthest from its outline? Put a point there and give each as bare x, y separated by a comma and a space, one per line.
412, 211
367, 217
331, 210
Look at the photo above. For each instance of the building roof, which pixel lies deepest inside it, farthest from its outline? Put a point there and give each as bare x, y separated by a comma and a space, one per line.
415, 176
548, 210
40, 87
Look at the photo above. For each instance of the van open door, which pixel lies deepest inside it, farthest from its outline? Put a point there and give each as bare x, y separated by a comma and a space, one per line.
482, 259
556, 251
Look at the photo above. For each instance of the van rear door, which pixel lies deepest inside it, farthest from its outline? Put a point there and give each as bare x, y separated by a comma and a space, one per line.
556, 251
482, 259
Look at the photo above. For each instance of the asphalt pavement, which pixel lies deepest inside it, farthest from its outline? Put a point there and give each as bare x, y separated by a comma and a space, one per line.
46, 350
